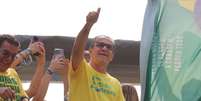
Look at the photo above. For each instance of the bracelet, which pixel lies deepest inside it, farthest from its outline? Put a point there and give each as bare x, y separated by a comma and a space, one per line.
28, 51
24, 53
21, 55
50, 71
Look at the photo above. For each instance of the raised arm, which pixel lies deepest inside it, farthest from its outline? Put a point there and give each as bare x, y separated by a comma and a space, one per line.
55, 65
32, 48
36, 79
81, 40
63, 72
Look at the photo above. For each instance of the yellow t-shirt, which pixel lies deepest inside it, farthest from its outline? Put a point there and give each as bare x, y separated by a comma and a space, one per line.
11, 79
86, 84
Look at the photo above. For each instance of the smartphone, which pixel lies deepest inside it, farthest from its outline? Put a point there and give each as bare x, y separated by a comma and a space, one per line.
36, 39
58, 52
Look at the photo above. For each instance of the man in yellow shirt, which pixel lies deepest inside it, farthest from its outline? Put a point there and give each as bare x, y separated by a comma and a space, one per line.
89, 81
10, 83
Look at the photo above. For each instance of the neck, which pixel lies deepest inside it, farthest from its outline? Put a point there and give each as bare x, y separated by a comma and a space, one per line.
102, 68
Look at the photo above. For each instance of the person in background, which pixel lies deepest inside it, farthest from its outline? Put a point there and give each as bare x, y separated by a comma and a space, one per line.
59, 65
87, 55
40, 81
129, 92
91, 81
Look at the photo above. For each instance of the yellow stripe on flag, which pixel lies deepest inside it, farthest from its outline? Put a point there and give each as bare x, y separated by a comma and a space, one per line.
187, 4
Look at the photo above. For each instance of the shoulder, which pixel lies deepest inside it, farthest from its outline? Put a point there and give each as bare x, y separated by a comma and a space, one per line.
115, 80
12, 71
83, 65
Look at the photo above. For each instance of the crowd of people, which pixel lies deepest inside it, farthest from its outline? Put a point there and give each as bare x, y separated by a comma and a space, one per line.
84, 75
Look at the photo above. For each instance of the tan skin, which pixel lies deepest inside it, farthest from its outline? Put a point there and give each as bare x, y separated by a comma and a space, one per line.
101, 53
40, 80
38, 90
34, 47
5, 92
99, 57
81, 40
5, 64
57, 65
33, 88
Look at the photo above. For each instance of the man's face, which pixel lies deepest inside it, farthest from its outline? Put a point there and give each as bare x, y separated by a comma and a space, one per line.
7, 55
102, 50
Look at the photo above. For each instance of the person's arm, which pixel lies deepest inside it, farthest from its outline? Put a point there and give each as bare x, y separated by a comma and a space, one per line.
43, 86
65, 83
32, 48
81, 40
36, 79
20, 57
55, 65
64, 76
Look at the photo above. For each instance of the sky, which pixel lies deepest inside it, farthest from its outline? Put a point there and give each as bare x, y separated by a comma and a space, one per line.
119, 19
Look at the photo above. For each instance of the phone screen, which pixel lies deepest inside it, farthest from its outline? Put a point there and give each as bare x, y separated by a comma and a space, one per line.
58, 52
35, 38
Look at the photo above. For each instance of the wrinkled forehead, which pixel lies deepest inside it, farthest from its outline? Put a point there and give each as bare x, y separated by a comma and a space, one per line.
104, 39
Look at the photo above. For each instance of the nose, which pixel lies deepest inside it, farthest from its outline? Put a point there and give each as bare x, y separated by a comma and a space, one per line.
105, 48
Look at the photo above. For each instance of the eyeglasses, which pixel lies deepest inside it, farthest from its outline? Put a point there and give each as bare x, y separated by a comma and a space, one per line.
7, 54
102, 45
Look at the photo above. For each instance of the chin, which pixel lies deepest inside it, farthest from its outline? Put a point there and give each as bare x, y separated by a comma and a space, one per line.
3, 69
103, 60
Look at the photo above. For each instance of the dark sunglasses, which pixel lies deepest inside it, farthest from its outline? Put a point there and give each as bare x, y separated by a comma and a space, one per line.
7, 54
102, 45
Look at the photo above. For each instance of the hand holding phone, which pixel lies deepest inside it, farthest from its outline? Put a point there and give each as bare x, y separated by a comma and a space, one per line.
58, 52
35, 39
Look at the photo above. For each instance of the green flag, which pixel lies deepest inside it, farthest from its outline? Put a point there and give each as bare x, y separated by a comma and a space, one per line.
170, 55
